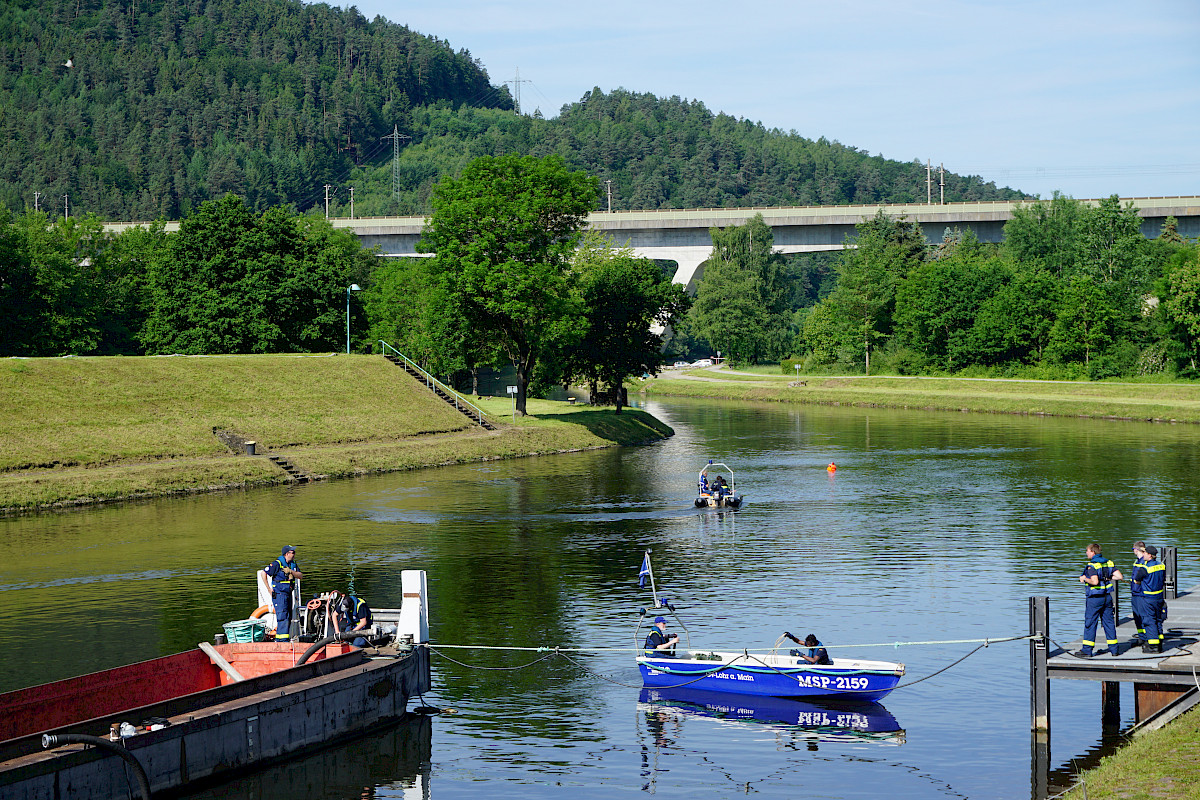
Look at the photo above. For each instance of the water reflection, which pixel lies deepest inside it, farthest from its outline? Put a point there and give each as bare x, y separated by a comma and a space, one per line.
805, 721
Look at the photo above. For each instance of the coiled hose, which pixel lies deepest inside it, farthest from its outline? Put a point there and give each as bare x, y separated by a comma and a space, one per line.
55, 739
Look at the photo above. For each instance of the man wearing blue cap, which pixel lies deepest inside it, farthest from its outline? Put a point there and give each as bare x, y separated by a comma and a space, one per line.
658, 644
283, 572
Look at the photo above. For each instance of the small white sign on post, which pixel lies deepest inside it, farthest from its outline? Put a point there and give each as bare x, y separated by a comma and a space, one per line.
513, 391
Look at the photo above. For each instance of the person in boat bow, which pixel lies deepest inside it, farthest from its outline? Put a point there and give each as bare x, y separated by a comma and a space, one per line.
355, 615
817, 654
658, 643
283, 572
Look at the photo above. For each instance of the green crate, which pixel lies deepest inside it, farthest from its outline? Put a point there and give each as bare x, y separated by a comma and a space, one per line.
245, 630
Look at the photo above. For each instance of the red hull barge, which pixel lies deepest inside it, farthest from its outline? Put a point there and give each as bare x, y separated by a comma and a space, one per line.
214, 726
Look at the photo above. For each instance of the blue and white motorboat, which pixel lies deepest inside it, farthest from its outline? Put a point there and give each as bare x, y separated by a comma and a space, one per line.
714, 491
774, 672
817, 719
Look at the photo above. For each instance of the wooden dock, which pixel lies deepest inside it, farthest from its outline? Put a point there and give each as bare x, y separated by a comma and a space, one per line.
1178, 664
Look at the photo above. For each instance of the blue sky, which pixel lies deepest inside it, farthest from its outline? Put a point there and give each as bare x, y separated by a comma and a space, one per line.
1088, 98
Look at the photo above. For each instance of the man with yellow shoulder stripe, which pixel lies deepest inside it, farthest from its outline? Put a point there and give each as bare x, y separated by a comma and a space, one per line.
1097, 579
1149, 578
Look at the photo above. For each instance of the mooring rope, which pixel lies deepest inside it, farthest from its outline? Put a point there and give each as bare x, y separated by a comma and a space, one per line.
556, 649
563, 652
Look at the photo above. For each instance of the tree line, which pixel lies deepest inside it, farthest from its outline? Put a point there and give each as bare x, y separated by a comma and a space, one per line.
169, 103
513, 279
1073, 291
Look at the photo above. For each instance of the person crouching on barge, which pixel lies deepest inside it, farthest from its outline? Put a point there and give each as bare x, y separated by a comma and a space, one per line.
355, 615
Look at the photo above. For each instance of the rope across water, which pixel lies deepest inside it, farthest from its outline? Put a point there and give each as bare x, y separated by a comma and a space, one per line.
550, 653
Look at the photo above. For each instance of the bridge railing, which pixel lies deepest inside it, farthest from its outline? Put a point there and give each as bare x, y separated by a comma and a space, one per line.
460, 402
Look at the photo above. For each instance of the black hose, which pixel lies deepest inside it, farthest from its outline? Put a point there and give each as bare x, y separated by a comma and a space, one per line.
344, 636
55, 739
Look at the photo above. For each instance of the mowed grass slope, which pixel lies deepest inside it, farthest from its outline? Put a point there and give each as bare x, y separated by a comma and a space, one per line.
1178, 401
96, 411
82, 430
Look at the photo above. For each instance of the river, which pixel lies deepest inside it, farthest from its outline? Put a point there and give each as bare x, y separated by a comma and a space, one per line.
934, 527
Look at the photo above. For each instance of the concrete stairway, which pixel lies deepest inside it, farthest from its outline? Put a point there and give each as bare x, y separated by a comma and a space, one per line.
296, 474
440, 392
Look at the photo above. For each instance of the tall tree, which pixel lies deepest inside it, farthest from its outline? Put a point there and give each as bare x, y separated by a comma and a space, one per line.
627, 299
503, 234
232, 281
743, 303
872, 265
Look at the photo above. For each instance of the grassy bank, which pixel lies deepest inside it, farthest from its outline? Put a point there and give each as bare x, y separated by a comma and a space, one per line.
1176, 402
92, 429
1158, 765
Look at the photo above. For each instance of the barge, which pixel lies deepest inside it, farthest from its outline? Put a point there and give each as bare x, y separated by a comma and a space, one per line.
208, 714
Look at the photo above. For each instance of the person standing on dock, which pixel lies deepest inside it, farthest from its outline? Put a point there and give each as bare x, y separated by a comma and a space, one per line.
1097, 579
1149, 577
1135, 593
283, 572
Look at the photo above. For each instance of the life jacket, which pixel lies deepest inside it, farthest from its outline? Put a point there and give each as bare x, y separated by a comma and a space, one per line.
1155, 580
1104, 570
281, 581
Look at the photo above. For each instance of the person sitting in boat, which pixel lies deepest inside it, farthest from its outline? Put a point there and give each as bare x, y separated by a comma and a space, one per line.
703, 484
353, 615
817, 654
720, 488
658, 643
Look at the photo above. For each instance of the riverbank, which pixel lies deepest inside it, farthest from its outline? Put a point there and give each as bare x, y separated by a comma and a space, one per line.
1158, 402
87, 430
1158, 765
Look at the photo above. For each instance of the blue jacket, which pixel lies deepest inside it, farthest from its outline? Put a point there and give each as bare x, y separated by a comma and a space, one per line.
1102, 568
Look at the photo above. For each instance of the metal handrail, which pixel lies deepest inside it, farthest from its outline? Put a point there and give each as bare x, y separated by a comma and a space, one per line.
432, 382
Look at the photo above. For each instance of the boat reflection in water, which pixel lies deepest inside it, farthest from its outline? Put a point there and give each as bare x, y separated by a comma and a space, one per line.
393, 762
807, 721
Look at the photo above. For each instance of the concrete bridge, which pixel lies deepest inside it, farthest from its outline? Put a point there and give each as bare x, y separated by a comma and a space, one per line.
681, 235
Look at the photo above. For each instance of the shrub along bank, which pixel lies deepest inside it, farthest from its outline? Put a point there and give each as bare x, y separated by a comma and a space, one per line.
87, 430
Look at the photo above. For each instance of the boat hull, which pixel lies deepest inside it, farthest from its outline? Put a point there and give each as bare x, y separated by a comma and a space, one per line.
216, 732
774, 676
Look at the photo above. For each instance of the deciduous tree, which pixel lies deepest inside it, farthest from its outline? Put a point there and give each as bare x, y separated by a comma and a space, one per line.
503, 234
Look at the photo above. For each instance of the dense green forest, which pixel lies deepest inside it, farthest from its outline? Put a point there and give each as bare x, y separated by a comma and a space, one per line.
143, 109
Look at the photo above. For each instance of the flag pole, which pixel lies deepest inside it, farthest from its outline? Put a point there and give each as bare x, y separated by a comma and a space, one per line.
653, 591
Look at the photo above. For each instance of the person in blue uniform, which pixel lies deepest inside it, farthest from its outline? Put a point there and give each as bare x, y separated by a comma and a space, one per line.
1097, 579
1149, 578
658, 643
1135, 594
817, 654
355, 615
283, 572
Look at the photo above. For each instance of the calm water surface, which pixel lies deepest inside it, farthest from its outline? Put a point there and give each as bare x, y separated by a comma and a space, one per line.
934, 527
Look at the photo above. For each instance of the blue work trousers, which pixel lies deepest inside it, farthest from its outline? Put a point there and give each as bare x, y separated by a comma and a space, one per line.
1151, 613
283, 614
1099, 609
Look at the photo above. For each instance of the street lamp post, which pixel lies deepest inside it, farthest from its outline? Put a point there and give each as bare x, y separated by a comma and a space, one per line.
351, 288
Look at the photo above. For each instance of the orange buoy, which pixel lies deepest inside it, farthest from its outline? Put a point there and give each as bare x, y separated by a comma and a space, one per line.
832, 467
259, 612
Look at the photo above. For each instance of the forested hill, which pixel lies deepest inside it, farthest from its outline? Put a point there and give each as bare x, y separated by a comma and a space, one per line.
143, 108
167, 103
